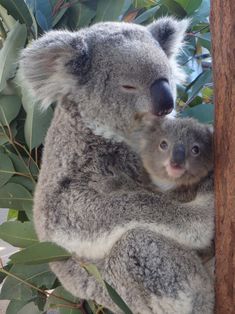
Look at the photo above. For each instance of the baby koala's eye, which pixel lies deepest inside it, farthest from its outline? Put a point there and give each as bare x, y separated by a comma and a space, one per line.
163, 145
195, 150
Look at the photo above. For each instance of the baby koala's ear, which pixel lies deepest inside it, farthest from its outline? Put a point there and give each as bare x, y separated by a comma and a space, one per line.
169, 32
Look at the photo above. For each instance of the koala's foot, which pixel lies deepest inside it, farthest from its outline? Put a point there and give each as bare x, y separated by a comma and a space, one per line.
77, 281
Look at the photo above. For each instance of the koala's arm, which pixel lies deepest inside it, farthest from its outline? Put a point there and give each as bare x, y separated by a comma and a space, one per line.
84, 218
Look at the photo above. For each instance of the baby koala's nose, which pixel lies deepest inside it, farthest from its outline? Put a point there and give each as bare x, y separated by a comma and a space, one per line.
178, 155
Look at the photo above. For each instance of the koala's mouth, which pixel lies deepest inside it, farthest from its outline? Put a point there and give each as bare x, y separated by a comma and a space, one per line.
175, 171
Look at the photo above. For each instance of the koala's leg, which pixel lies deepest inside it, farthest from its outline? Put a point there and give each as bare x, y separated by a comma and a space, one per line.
81, 284
155, 275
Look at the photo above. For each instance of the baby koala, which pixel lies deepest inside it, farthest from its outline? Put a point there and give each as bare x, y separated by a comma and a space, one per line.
176, 153
178, 156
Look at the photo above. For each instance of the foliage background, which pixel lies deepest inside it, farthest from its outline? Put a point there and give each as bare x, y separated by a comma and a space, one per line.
23, 128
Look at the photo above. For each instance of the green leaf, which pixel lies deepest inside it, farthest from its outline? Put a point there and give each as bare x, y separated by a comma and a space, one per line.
12, 214
37, 275
59, 16
6, 169
9, 53
92, 270
19, 164
197, 84
205, 40
81, 15
204, 113
109, 10
3, 275
15, 306
25, 182
16, 196
37, 121
189, 5
18, 234
19, 10
4, 132
117, 299
43, 252
9, 108
174, 8
30, 308
53, 302
146, 15
143, 3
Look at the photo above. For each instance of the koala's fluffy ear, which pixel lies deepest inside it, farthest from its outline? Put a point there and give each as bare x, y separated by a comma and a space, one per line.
48, 64
169, 32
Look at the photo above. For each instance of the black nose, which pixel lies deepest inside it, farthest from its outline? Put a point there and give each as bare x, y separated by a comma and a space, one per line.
162, 99
178, 155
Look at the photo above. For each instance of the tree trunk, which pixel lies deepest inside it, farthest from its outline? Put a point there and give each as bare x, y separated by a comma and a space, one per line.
223, 52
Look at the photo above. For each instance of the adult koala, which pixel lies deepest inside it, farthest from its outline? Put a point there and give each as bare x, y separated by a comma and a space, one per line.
100, 77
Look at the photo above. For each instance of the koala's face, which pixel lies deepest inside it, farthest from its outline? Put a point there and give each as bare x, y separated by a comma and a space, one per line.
174, 150
109, 71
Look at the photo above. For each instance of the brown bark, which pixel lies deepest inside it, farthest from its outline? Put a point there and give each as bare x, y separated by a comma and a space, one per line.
223, 52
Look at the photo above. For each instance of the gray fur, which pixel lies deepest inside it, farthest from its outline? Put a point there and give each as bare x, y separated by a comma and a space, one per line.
140, 241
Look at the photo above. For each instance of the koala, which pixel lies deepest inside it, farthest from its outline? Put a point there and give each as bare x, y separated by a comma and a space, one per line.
178, 156
177, 153
142, 242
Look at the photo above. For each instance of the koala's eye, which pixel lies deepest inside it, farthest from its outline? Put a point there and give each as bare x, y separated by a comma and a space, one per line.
195, 150
129, 88
163, 145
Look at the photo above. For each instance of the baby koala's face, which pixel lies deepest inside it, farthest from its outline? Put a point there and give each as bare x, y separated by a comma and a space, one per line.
174, 152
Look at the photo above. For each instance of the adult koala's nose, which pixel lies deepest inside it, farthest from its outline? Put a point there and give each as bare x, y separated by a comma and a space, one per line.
162, 98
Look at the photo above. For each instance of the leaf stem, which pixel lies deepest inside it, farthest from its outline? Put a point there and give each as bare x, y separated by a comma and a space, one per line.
44, 292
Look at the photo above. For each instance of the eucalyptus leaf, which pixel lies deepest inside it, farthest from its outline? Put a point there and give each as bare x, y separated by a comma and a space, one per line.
9, 108
42, 252
6, 169
9, 53
109, 10
92, 270
15, 306
30, 308
19, 10
190, 5
4, 275
205, 40
37, 121
146, 15
15, 196
37, 275
174, 8
18, 234
19, 163
23, 181
81, 15
69, 300
43, 10
12, 214
117, 299
204, 113
196, 85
